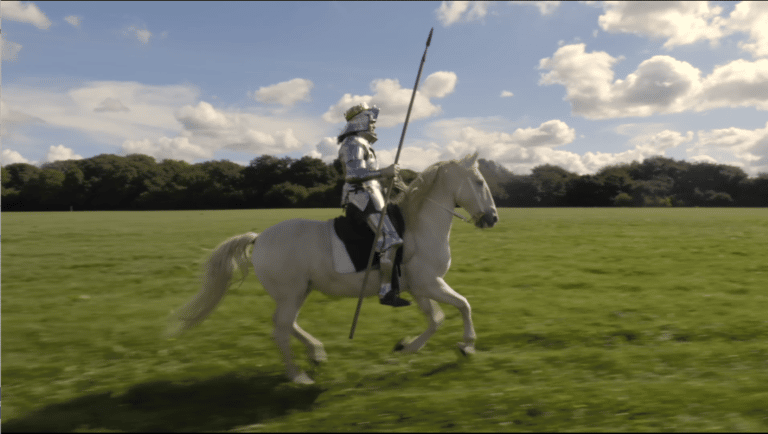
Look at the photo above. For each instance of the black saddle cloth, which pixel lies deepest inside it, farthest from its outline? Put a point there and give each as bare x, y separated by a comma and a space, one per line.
358, 237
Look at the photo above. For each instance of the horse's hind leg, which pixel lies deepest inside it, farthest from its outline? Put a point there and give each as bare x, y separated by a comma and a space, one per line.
435, 318
315, 349
285, 323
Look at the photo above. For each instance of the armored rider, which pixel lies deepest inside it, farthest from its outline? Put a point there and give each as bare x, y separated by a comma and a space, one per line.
362, 195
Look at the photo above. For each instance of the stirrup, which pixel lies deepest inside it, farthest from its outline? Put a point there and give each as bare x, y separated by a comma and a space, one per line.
392, 299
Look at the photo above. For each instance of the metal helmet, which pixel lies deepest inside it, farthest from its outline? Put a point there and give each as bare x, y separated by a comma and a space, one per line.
361, 119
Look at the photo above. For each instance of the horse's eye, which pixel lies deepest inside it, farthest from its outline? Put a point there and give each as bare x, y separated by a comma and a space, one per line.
480, 183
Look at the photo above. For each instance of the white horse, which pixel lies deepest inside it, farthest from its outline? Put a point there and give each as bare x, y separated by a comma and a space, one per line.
293, 257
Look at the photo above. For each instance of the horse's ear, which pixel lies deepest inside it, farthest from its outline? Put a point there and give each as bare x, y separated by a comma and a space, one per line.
470, 159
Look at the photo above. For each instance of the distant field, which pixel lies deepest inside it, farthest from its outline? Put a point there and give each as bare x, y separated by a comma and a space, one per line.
587, 320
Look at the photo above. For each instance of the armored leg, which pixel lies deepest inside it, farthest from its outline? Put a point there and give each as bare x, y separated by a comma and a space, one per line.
387, 245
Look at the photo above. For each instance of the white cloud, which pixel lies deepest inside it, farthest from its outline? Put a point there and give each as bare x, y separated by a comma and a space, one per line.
439, 84
24, 12
214, 129
703, 159
747, 148
660, 84
286, 93
202, 117
55, 153
411, 157
526, 148
739, 83
84, 107
549, 133
587, 77
111, 104
686, 22
9, 156
751, 17
327, 149
645, 146
659, 143
451, 12
506, 94
143, 35
10, 49
164, 121
177, 148
680, 22
208, 129
12, 123
393, 99
74, 20
545, 7
61, 152
443, 129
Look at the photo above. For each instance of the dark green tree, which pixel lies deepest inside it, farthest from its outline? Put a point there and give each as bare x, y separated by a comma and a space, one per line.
165, 187
552, 182
310, 172
73, 187
754, 191
286, 195
520, 191
261, 174
47, 188
19, 174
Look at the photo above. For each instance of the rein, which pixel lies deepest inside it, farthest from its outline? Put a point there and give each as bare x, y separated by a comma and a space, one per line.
456, 214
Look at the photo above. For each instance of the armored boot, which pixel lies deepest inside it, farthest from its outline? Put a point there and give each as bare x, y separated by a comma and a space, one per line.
387, 245
387, 295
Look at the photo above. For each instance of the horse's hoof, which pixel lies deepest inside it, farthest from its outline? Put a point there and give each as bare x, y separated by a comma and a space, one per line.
303, 378
318, 359
400, 346
466, 349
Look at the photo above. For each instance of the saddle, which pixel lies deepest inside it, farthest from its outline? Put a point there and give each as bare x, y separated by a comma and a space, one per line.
354, 240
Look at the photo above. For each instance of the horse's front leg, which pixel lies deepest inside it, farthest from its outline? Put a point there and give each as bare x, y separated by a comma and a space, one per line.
439, 291
435, 318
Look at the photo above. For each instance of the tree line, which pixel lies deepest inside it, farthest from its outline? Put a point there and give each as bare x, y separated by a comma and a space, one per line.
139, 182
654, 182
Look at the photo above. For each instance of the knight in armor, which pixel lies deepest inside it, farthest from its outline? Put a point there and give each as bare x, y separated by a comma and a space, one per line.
362, 196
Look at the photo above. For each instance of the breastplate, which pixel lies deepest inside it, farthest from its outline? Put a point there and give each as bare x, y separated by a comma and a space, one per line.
354, 148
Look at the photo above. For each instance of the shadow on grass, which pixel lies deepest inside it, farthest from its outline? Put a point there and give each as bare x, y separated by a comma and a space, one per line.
213, 404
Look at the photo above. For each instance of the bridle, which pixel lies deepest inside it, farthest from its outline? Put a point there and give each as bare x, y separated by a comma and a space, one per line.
455, 214
472, 219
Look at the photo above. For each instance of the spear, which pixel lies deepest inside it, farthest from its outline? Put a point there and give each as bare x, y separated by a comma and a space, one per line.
389, 190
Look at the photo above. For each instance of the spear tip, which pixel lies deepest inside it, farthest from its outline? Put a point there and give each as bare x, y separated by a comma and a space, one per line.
429, 39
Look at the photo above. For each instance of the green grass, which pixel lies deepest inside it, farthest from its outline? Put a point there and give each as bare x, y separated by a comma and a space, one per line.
587, 320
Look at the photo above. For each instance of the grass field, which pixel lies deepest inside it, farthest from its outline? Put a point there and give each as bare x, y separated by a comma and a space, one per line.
587, 320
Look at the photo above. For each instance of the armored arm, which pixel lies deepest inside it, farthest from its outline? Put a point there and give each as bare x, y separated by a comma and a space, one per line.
358, 165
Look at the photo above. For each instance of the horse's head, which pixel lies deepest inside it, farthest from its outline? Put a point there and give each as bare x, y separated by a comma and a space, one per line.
471, 192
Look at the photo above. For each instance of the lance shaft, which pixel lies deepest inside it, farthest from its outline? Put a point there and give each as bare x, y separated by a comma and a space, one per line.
389, 190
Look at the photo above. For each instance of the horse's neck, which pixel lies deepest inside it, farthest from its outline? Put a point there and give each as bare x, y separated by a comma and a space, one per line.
432, 219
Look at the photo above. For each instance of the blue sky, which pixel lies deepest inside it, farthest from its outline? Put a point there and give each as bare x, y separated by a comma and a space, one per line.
576, 84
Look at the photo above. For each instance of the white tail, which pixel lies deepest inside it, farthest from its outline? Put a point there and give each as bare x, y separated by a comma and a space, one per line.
216, 279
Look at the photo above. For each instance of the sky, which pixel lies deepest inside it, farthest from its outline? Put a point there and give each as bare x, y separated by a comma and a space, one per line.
580, 85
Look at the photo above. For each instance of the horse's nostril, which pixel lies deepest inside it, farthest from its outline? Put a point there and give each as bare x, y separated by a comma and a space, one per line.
495, 218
